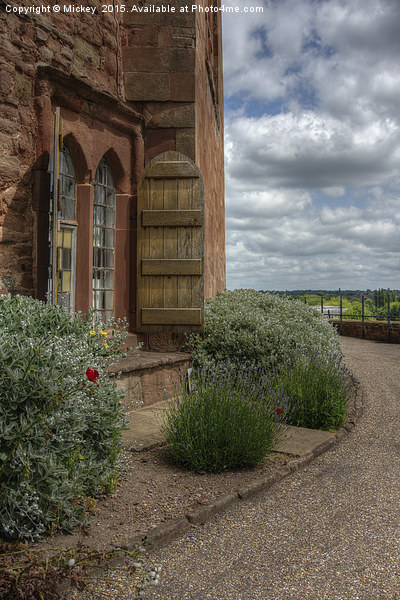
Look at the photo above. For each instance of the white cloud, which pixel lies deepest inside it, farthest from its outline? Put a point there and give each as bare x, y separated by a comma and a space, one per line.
313, 144
311, 150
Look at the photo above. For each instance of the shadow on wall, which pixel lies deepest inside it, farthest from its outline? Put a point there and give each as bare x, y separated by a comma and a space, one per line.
16, 237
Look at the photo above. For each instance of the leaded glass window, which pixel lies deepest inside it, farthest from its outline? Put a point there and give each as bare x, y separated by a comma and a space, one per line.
66, 234
103, 241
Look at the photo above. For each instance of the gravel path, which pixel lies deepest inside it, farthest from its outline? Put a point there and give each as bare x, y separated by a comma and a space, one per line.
328, 532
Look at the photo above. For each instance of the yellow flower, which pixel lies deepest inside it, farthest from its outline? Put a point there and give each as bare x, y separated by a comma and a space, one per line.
92, 332
105, 345
103, 332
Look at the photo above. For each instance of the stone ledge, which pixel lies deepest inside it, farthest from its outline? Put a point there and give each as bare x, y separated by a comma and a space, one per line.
148, 360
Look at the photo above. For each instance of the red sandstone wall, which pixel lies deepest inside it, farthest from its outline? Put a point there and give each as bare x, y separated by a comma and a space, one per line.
84, 46
159, 61
173, 74
210, 145
138, 82
372, 330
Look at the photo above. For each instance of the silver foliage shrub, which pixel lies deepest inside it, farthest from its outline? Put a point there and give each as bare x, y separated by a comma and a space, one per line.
246, 326
60, 416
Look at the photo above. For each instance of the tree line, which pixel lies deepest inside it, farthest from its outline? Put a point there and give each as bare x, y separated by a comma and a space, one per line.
375, 301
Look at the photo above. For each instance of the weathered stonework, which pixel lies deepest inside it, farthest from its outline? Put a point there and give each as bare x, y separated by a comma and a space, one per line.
130, 86
182, 53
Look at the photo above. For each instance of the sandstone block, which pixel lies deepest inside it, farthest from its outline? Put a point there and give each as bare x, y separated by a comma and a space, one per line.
46, 55
174, 19
156, 382
174, 116
182, 87
143, 36
160, 140
5, 83
131, 384
186, 142
86, 52
147, 86
6, 143
92, 35
41, 35
16, 199
67, 52
23, 89
164, 37
9, 168
183, 41
158, 60
59, 60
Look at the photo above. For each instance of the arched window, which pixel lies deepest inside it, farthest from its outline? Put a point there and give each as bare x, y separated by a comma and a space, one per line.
66, 233
103, 241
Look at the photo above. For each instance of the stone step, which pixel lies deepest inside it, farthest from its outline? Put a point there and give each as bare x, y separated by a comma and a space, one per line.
147, 377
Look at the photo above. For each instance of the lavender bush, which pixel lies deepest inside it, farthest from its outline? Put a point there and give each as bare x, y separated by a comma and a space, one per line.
294, 343
319, 387
229, 419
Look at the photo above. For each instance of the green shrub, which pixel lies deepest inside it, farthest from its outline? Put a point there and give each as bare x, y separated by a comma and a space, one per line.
61, 415
245, 326
318, 388
229, 419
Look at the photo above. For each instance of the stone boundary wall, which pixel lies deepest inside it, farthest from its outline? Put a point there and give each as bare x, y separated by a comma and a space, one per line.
373, 330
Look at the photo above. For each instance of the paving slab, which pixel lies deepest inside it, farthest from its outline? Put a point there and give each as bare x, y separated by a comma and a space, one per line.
145, 423
300, 440
144, 427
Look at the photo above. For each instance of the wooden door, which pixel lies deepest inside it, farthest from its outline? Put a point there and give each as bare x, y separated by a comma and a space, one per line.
170, 296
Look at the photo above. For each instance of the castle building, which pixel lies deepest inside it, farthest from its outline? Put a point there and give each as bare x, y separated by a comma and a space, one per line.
111, 158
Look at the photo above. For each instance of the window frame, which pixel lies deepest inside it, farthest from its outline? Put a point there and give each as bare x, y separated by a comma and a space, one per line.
65, 222
104, 188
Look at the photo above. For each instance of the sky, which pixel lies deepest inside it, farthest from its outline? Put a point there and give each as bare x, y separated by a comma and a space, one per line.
312, 144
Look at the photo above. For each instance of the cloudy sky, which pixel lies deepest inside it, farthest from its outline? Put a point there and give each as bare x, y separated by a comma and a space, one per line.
312, 144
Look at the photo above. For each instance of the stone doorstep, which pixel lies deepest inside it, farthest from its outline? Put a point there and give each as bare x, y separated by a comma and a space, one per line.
144, 432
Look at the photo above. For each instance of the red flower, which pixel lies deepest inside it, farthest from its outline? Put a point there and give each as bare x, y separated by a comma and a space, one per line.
92, 374
278, 411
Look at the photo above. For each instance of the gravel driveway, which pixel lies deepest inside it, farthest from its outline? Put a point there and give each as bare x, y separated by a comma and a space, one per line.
328, 532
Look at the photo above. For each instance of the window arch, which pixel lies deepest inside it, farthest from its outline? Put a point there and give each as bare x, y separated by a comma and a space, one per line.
66, 233
103, 241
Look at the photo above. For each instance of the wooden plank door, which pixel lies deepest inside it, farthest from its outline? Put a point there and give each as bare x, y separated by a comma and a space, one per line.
170, 296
